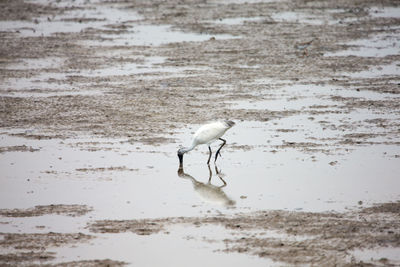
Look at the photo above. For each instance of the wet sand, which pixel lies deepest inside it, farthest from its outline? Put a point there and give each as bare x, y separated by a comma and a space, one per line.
96, 97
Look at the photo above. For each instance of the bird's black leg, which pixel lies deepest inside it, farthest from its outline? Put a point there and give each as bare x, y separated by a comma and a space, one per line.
209, 157
210, 174
218, 153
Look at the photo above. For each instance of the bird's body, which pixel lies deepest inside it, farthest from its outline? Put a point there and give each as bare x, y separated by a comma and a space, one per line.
210, 132
207, 134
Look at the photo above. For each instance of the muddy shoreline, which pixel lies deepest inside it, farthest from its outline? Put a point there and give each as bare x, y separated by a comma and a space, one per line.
88, 69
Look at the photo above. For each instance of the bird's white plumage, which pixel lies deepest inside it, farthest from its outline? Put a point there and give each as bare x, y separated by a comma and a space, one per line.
207, 134
210, 132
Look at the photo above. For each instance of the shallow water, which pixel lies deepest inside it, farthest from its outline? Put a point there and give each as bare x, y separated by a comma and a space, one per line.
385, 12
380, 45
377, 45
74, 20
298, 17
153, 35
379, 71
376, 254
123, 180
184, 245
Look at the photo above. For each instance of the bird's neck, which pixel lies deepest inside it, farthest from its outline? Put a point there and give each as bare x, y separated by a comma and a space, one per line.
187, 149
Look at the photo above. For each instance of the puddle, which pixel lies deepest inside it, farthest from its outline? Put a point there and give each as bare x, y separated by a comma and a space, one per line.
297, 17
151, 65
42, 28
48, 84
74, 21
36, 63
148, 66
140, 184
323, 131
385, 255
302, 97
153, 35
386, 12
190, 241
281, 104
45, 84
42, 81
380, 71
44, 224
380, 45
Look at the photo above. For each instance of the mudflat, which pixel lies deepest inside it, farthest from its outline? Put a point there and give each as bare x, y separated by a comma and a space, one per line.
97, 96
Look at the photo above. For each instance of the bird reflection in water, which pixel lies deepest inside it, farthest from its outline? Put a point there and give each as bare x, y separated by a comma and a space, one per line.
208, 192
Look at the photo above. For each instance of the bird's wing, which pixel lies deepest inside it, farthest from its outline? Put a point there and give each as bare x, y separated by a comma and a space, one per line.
209, 133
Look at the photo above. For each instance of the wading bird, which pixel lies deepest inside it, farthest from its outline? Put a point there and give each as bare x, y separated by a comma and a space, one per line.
205, 135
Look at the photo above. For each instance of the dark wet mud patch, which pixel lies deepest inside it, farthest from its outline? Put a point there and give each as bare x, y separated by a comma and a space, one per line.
61, 209
20, 10
40, 241
384, 208
90, 263
25, 258
36, 136
139, 227
35, 249
329, 237
105, 169
43, 258
22, 148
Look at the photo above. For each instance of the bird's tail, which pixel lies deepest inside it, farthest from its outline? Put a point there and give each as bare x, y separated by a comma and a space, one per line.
229, 123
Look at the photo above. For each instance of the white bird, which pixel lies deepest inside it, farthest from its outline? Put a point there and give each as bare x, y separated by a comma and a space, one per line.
205, 135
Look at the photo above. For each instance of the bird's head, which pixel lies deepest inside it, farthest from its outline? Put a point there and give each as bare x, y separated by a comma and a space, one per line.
180, 153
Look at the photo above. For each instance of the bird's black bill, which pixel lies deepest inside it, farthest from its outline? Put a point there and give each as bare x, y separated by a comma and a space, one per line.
180, 156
